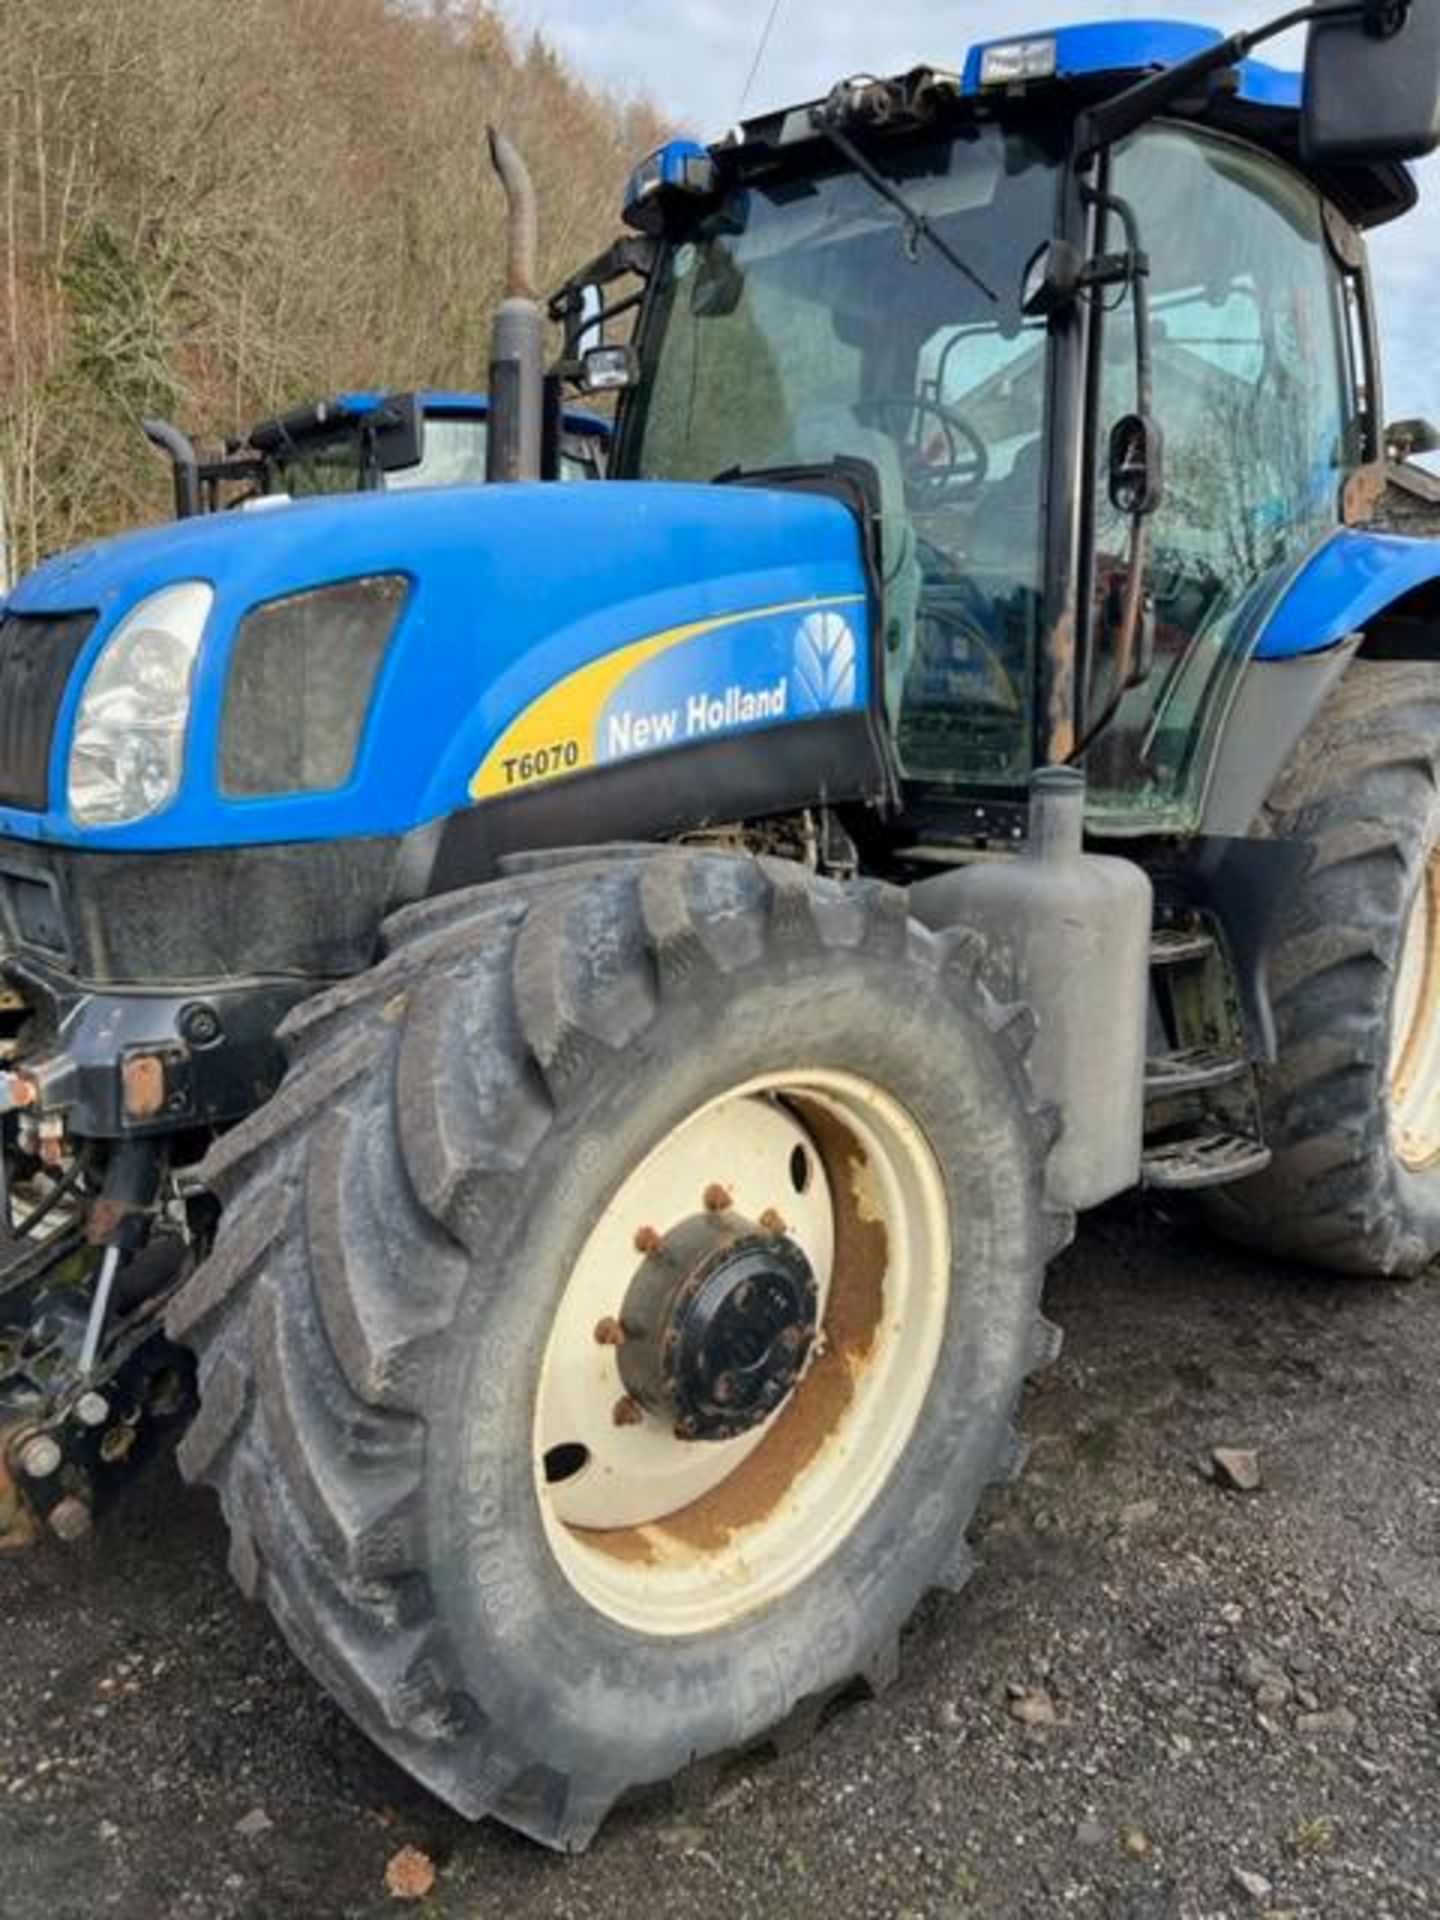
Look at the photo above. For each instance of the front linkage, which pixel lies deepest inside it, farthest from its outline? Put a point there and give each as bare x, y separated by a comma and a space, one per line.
108, 1101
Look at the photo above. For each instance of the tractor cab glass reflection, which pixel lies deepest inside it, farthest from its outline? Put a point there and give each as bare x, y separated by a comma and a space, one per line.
804, 323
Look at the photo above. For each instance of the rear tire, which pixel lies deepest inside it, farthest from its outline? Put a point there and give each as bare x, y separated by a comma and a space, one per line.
1352, 1109
402, 1222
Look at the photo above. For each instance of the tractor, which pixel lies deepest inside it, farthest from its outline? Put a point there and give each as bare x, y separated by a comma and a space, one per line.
361, 442
580, 1014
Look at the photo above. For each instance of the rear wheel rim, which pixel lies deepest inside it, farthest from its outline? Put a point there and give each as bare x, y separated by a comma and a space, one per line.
1415, 1046
673, 1537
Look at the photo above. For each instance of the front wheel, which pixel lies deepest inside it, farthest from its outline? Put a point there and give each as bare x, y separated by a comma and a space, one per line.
617, 1316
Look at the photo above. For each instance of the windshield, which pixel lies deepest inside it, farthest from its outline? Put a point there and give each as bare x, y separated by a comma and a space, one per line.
803, 322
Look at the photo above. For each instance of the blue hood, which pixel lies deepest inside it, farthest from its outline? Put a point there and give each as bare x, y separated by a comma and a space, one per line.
517, 595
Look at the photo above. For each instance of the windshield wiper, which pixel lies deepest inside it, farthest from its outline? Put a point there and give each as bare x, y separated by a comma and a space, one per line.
917, 225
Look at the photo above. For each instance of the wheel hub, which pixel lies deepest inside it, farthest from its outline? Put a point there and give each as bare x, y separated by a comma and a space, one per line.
719, 1323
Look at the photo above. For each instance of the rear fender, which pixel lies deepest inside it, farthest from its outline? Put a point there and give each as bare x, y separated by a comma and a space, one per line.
1357, 583
1363, 596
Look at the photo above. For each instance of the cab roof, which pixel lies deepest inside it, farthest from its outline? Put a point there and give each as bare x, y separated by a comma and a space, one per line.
1064, 69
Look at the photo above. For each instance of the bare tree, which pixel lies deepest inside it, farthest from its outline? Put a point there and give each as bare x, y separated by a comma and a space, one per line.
215, 211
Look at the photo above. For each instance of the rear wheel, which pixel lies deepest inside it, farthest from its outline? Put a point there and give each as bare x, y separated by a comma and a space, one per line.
617, 1316
1352, 1109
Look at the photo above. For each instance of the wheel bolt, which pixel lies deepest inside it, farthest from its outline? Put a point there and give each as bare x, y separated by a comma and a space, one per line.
772, 1222
647, 1240
628, 1412
92, 1410
717, 1199
41, 1457
609, 1333
71, 1519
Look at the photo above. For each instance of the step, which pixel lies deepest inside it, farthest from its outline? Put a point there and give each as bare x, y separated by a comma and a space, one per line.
1192, 1071
1179, 946
1207, 1160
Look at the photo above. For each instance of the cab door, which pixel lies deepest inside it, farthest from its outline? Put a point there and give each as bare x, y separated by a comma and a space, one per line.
1256, 395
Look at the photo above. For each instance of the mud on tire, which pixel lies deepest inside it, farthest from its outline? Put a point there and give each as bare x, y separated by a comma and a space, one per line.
400, 1220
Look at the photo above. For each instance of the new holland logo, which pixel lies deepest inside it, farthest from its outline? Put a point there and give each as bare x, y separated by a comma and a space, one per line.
826, 664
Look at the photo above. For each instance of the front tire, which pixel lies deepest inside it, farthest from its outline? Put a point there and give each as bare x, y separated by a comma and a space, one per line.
407, 1328
1352, 1109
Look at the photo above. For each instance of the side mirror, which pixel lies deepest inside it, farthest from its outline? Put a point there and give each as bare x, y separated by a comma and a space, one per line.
1407, 439
608, 370
1372, 84
589, 323
1136, 467
398, 426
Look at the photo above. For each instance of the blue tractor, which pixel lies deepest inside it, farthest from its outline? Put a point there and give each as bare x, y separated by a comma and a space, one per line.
588, 1009
363, 442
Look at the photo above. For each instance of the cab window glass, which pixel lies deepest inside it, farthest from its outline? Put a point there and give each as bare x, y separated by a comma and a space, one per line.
1254, 396
804, 322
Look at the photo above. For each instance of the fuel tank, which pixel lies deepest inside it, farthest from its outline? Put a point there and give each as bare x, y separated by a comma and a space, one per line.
1069, 934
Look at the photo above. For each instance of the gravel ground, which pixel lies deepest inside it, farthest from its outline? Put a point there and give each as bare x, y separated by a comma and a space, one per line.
1159, 1700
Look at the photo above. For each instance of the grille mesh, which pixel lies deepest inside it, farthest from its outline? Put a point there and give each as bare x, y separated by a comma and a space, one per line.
37, 653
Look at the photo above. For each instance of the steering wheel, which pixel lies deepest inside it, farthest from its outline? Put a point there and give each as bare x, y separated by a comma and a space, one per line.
934, 483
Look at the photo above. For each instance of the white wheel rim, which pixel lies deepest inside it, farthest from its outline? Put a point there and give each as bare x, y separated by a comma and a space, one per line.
673, 1537
1415, 1029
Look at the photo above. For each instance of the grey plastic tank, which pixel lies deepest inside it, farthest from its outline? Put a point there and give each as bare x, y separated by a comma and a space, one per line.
1070, 933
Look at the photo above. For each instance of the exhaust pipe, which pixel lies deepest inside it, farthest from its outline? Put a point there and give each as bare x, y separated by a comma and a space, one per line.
179, 450
517, 343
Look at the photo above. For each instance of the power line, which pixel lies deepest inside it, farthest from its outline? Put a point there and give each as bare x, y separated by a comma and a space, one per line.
760, 52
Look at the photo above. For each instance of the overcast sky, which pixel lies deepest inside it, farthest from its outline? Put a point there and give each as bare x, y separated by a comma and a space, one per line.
693, 57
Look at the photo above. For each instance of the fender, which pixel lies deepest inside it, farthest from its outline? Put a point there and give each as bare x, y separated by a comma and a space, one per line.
1354, 581
1362, 595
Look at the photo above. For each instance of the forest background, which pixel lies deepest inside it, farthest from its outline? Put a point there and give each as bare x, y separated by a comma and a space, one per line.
213, 208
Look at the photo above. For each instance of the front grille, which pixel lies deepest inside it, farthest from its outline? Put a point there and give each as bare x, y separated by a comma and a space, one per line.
37, 652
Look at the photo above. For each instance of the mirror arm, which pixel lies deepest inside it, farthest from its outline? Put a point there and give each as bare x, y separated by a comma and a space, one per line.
629, 254
1112, 120
1133, 649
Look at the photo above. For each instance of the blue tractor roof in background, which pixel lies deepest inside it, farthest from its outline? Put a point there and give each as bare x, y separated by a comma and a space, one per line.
450, 403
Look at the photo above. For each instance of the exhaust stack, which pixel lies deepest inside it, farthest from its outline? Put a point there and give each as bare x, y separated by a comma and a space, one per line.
517, 342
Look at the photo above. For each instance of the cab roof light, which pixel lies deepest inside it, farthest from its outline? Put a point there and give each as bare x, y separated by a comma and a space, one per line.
1011, 63
680, 167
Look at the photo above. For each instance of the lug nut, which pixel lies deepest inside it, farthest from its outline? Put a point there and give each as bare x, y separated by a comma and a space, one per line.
117, 1445
92, 1409
70, 1519
628, 1412
610, 1333
647, 1240
717, 1199
40, 1457
772, 1222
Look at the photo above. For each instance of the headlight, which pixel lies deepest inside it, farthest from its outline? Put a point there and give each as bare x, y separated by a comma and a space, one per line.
128, 748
